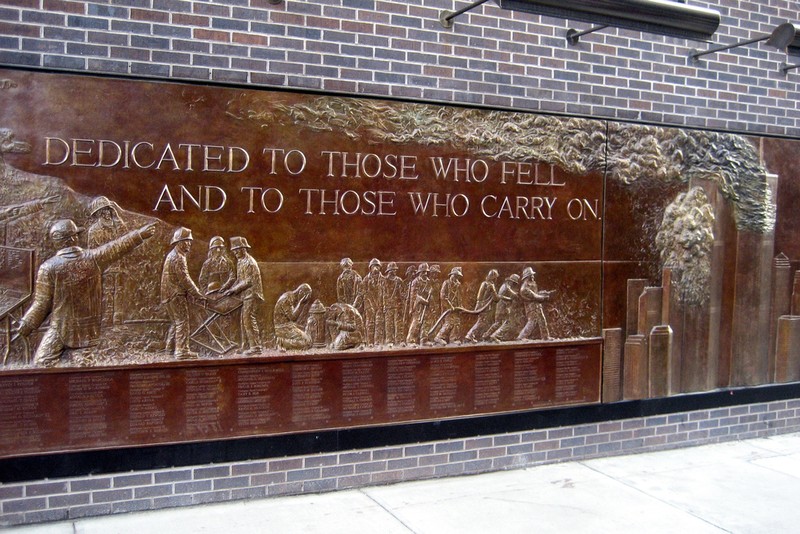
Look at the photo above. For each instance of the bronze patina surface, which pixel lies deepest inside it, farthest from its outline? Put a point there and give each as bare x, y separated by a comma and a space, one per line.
257, 194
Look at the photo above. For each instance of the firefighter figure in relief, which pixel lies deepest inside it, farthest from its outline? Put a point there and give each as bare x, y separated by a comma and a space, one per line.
69, 290
177, 287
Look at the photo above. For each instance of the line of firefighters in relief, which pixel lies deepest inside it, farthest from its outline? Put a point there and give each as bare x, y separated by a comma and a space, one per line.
79, 290
380, 308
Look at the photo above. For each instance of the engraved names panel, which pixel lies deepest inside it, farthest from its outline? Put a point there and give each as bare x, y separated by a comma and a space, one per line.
90, 413
447, 391
149, 407
23, 421
401, 387
204, 402
576, 380
530, 378
309, 395
67, 410
260, 393
488, 381
359, 391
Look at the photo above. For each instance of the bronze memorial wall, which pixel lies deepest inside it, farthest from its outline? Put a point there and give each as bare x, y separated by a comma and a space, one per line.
185, 262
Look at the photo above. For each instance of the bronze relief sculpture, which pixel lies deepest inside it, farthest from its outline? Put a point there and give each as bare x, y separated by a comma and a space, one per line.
534, 182
258, 262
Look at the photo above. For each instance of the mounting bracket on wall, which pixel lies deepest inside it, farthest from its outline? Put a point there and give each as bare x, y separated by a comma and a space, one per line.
785, 68
662, 17
446, 17
781, 37
573, 36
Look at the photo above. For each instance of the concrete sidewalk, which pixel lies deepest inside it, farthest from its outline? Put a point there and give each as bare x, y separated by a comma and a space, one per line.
739, 487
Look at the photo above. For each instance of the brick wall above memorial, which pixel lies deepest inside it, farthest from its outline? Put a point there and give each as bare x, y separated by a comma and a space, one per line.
490, 57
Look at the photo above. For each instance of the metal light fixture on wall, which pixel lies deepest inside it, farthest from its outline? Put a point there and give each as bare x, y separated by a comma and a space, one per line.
785, 68
781, 37
661, 17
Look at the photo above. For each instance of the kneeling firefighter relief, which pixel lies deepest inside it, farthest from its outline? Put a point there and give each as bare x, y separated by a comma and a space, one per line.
145, 223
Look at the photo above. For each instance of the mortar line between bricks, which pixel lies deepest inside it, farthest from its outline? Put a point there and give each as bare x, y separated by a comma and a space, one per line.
387, 510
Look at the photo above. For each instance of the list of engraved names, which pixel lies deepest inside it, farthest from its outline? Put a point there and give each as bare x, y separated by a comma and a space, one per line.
308, 394
255, 396
149, 397
357, 388
569, 371
203, 401
88, 402
488, 383
401, 389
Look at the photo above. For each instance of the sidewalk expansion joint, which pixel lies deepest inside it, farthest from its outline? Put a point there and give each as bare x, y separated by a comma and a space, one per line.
387, 510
